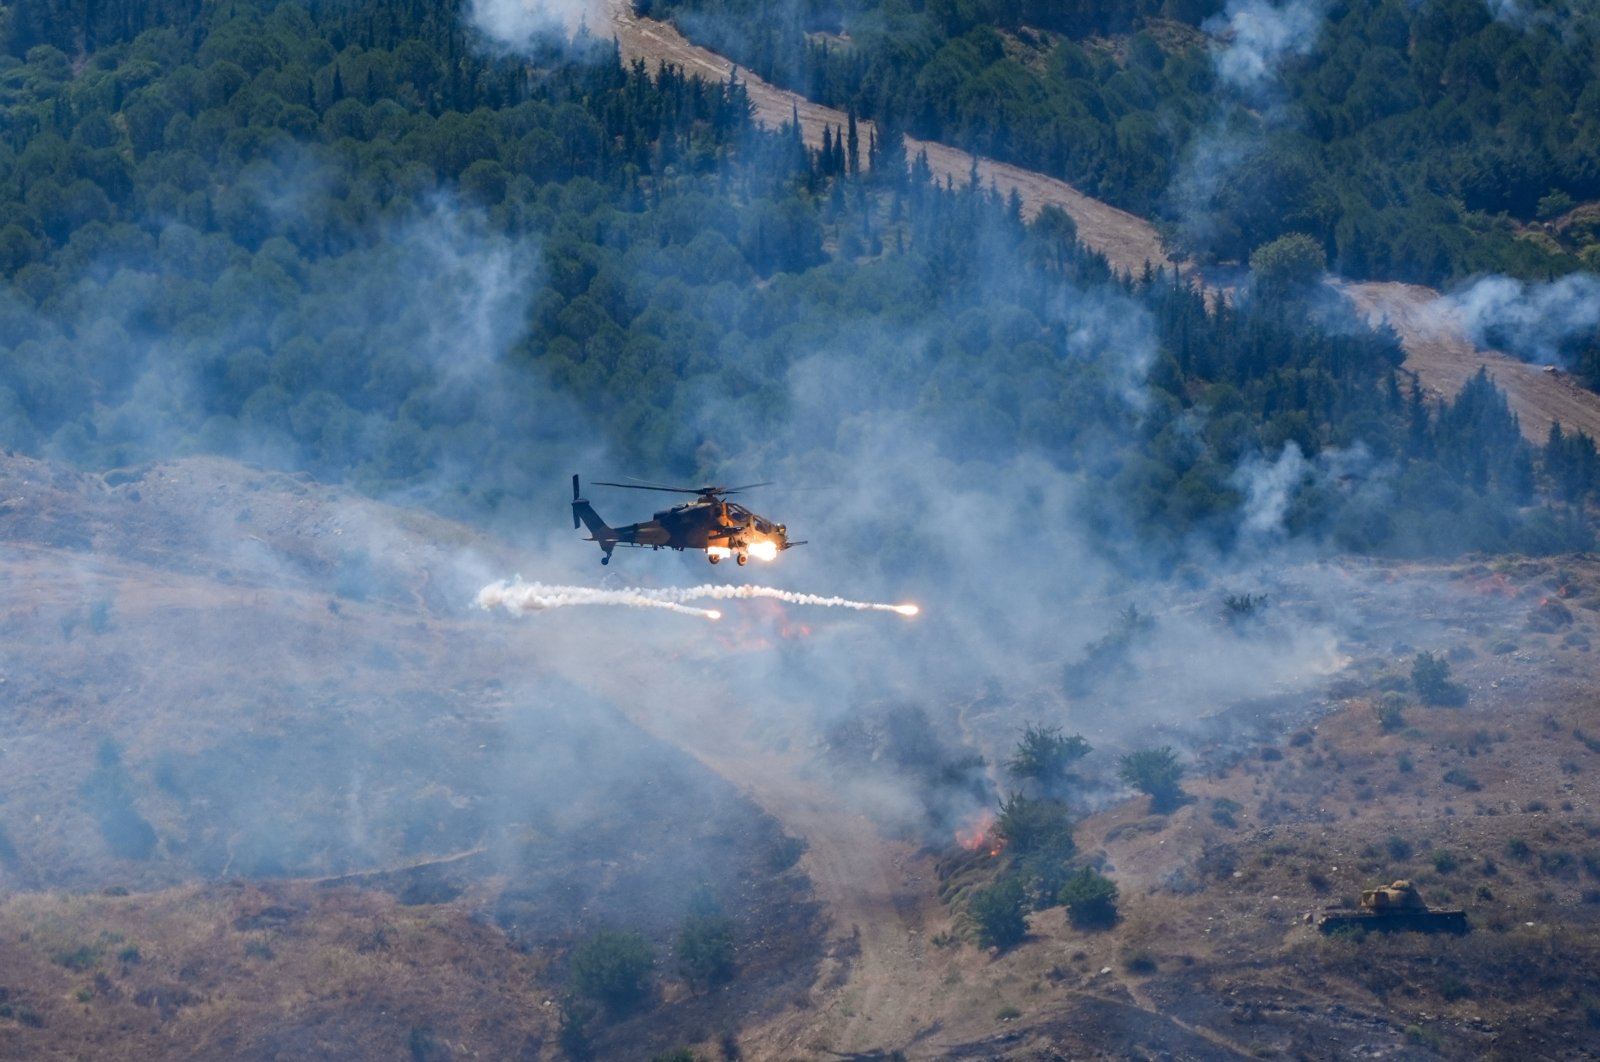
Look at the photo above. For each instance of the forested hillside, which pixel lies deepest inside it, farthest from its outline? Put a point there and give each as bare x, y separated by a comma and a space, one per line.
342, 237
1414, 141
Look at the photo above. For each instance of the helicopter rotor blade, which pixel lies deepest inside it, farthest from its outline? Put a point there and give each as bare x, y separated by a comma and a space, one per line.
645, 486
704, 492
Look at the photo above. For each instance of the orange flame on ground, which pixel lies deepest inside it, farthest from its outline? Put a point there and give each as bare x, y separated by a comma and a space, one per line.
1495, 584
974, 832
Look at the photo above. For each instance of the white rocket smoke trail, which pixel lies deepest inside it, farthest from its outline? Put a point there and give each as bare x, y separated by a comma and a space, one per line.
728, 592
518, 596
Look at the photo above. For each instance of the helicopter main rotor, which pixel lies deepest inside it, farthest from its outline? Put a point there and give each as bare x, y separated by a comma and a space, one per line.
704, 492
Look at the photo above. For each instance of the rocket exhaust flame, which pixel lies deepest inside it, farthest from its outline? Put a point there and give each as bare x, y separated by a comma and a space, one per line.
518, 596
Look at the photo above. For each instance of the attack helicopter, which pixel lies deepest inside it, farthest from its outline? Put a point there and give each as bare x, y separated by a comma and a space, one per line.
720, 527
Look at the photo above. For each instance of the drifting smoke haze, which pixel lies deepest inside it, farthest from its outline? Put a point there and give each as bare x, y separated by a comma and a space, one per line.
1004, 549
1529, 14
1272, 486
1541, 322
562, 728
515, 25
1251, 39
426, 311
1511, 11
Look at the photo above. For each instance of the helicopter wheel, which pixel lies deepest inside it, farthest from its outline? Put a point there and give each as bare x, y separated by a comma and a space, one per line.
743, 559
713, 558
606, 559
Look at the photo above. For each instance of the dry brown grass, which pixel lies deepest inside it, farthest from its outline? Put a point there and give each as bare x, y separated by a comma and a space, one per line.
187, 973
1214, 940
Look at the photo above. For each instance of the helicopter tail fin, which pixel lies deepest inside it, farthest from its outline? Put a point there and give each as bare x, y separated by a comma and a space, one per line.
583, 512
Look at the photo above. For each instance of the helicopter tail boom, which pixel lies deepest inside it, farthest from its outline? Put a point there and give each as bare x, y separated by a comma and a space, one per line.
599, 530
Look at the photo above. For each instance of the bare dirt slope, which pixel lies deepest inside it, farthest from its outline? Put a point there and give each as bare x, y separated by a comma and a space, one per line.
1441, 356
1444, 358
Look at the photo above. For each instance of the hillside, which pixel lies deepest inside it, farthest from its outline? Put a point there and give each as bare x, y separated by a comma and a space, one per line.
1437, 349
1422, 143
272, 786
1238, 591
243, 780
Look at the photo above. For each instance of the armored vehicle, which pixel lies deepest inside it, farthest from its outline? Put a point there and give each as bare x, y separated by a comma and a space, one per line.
1393, 907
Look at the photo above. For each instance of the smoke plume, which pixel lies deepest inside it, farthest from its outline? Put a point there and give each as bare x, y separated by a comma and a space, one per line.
518, 596
1540, 322
1253, 37
518, 25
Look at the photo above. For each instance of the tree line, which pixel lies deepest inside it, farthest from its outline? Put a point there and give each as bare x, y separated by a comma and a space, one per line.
276, 231
1420, 142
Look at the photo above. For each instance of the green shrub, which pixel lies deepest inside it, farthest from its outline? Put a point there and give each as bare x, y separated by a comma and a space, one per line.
1044, 754
1139, 961
1156, 772
705, 949
613, 969
1223, 811
1090, 899
1430, 675
1558, 861
1029, 826
1290, 261
998, 913
1389, 710
85, 957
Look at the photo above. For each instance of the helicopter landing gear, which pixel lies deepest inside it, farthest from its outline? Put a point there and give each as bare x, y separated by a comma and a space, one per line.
605, 558
713, 558
743, 559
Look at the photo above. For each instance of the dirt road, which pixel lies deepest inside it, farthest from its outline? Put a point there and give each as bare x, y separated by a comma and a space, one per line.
1127, 241
1440, 355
